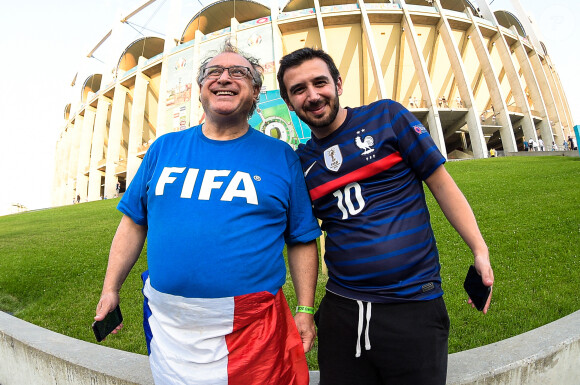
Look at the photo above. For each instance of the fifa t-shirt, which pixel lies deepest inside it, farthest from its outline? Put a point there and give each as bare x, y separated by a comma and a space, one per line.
219, 212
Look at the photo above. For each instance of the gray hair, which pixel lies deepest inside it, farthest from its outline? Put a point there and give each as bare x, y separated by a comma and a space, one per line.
256, 71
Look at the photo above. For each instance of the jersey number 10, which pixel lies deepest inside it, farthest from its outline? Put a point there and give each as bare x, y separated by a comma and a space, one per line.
345, 199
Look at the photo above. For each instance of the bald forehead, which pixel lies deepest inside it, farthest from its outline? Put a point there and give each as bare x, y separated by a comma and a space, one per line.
229, 58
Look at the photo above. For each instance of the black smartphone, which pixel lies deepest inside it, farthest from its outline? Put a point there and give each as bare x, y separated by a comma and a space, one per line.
108, 324
475, 288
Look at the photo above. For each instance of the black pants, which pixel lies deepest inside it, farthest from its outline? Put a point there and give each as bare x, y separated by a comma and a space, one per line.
406, 344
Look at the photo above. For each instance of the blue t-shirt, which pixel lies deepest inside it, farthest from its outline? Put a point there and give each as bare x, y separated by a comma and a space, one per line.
219, 212
365, 182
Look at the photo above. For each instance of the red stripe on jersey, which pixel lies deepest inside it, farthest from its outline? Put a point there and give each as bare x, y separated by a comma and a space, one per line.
264, 346
360, 174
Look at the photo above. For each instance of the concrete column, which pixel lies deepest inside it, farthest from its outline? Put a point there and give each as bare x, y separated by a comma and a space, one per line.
534, 88
57, 183
234, 30
85, 152
57, 188
398, 66
558, 94
547, 96
195, 108
137, 121
73, 161
276, 39
375, 61
478, 144
321, 31
97, 149
567, 126
162, 102
516, 86
55, 175
172, 36
64, 195
435, 50
565, 105
433, 120
528, 23
507, 134
115, 135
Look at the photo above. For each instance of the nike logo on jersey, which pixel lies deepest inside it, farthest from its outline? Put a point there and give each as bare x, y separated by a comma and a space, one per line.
240, 185
308, 169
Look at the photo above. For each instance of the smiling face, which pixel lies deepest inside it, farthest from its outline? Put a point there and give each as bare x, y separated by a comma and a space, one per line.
227, 97
313, 95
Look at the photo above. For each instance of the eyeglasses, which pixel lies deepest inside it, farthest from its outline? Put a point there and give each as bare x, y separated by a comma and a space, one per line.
236, 72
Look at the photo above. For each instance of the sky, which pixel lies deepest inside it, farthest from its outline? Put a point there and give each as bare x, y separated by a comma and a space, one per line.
43, 45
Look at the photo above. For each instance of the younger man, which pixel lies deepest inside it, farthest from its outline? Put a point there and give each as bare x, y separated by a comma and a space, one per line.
364, 169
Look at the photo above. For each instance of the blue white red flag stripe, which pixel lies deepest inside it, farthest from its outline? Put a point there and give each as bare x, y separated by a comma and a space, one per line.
268, 352
249, 339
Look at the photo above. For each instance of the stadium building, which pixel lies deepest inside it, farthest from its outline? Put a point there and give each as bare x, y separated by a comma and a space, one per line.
478, 80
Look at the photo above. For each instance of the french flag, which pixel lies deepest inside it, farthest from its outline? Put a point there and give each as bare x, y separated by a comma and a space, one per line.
242, 340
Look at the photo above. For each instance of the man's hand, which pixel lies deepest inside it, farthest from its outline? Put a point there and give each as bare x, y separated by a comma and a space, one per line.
125, 249
303, 266
307, 330
484, 269
107, 304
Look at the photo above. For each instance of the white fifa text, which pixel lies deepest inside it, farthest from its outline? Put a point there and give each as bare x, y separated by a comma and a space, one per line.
240, 185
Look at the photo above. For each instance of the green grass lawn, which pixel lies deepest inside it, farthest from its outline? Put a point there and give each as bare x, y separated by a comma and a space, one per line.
52, 262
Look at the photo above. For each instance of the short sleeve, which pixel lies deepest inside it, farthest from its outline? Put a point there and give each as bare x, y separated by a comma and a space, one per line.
416, 145
134, 200
302, 225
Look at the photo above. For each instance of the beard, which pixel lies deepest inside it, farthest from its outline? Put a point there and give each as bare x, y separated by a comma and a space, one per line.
324, 120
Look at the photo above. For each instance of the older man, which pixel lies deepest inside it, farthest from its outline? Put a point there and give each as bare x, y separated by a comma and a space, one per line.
217, 203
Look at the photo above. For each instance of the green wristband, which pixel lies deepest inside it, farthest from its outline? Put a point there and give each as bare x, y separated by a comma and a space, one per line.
304, 309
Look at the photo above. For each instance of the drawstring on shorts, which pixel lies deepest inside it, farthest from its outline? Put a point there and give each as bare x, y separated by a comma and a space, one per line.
360, 327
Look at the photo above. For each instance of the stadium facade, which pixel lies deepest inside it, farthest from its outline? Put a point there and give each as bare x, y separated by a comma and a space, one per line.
476, 79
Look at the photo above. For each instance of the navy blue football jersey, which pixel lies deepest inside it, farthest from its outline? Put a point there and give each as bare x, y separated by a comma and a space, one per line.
365, 182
